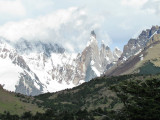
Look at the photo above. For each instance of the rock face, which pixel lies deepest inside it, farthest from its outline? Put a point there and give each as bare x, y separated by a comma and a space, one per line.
93, 62
135, 46
89, 61
45, 67
137, 52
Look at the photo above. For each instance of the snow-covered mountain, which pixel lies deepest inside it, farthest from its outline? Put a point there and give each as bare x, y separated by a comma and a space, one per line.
33, 68
15, 74
26, 47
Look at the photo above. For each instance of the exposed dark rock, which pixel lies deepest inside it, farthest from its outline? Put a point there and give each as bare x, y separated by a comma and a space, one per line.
26, 85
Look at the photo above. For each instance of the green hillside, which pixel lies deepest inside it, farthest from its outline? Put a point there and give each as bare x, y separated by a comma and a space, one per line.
16, 105
127, 97
124, 97
149, 68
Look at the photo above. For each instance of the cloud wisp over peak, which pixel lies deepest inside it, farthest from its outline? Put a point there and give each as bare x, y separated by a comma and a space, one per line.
70, 26
70, 22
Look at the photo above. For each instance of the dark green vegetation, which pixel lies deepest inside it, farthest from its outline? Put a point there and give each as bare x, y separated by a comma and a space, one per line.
141, 98
149, 68
131, 97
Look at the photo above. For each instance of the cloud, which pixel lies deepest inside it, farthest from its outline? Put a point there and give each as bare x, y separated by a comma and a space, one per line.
69, 27
12, 7
152, 6
133, 3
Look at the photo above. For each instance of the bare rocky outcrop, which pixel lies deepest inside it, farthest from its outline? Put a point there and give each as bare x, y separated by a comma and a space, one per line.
134, 46
134, 51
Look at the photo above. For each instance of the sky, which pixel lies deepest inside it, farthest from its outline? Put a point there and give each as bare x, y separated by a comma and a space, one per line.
69, 22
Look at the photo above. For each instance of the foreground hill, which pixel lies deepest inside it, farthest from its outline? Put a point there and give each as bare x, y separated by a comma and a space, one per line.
123, 97
133, 97
15, 104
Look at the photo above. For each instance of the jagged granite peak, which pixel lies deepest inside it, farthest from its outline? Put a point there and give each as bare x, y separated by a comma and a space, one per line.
93, 33
104, 47
109, 58
105, 52
117, 53
137, 52
44, 67
93, 39
144, 62
94, 62
106, 56
136, 45
89, 60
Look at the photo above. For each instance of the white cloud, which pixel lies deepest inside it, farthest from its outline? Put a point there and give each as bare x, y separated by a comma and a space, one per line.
68, 27
133, 3
12, 7
152, 6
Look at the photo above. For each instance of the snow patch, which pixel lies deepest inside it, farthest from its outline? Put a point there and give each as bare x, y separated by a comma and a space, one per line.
47, 70
55, 86
107, 58
124, 58
138, 52
92, 39
9, 74
153, 34
81, 82
116, 48
92, 62
141, 57
96, 71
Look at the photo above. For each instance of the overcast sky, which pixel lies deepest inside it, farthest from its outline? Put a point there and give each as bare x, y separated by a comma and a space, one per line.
69, 22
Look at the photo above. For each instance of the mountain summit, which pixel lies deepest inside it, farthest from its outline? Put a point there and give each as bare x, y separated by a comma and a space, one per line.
33, 68
93, 34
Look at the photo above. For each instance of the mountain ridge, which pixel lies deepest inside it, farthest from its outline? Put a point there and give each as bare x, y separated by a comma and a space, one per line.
145, 54
47, 67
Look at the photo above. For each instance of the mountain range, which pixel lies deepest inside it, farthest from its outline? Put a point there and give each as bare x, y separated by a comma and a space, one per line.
106, 85
33, 68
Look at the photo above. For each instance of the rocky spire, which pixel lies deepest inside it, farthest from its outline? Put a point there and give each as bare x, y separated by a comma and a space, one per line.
93, 34
92, 39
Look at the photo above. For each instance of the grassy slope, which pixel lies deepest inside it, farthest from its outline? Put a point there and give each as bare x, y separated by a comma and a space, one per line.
152, 55
9, 102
